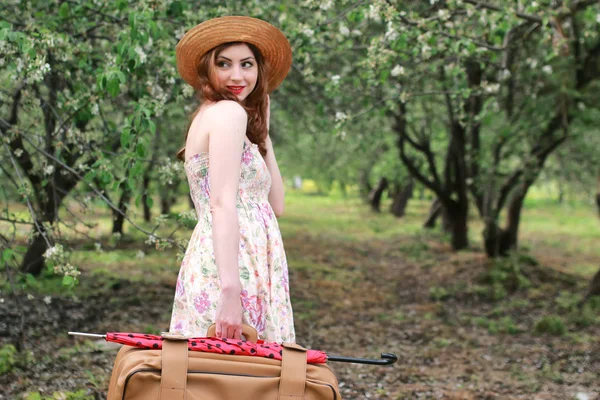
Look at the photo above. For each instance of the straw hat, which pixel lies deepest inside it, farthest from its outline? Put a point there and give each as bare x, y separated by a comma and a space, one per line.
202, 38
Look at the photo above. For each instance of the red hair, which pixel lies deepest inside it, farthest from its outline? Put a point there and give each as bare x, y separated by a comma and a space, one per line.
255, 104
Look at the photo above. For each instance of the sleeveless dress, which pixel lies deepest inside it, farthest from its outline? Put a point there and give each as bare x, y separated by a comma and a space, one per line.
263, 267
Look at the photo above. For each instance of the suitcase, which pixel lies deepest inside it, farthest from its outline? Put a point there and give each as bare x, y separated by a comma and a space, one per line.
174, 373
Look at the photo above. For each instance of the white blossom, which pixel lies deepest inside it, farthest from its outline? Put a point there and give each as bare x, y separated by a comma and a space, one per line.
56, 249
397, 70
188, 91
344, 30
426, 50
49, 170
374, 12
326, 5
308, 32
179, 33
505, 74
340, 116
391, 34
547, 69
335, 79
444, 14
47, 299
532, 62
18, 152
151, 239
142, 56
95, 109
490, 87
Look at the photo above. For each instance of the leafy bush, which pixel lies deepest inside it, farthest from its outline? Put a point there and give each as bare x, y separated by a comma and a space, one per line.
8, 358
584, 317
551, 324
438, 293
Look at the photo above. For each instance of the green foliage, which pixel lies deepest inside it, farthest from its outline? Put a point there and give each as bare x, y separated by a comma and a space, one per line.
584, 317
506, 275
550, 324
503, 325
438, 293
78, 395
8, 358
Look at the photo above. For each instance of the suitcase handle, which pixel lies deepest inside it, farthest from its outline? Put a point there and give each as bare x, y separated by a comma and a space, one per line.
248, 331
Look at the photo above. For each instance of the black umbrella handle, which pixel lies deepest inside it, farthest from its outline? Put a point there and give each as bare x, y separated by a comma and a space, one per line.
386, 359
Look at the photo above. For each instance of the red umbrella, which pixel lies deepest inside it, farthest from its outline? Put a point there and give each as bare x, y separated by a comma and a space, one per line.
259, 348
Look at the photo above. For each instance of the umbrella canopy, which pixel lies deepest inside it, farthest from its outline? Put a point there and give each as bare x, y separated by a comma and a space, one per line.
214, 345
259, 348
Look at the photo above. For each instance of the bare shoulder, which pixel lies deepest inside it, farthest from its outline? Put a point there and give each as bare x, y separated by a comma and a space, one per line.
226, 110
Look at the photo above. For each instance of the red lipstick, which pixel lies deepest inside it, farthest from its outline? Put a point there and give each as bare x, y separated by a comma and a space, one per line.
236, 89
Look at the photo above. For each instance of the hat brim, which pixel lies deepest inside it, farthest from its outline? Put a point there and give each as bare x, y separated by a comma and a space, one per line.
271, 42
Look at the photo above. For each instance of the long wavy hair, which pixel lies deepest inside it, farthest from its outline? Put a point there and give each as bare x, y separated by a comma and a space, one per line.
255, 104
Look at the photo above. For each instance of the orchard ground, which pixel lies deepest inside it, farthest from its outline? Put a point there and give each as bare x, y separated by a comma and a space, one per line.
463, 326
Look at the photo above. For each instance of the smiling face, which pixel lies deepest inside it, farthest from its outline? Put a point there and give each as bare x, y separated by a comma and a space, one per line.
236, 70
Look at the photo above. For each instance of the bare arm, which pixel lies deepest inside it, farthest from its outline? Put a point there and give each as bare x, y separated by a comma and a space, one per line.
227, 123
276, 194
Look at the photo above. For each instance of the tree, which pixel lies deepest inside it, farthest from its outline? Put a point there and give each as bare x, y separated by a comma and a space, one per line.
458, 80
80, 95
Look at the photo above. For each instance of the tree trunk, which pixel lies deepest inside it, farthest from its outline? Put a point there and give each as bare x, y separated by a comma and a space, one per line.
434, 212
146, 191
400, 198
33, 261
446, 220
364, 186
166, 201
598, 195
457, 218
561, 191
498, 242
377, 193
119, 218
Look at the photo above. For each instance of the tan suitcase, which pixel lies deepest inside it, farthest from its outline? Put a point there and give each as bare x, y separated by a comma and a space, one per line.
174, 373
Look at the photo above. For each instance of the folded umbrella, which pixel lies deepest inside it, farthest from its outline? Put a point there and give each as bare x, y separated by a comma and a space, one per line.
260, 348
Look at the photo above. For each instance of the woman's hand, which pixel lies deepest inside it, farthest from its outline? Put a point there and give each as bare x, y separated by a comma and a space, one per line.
229, 315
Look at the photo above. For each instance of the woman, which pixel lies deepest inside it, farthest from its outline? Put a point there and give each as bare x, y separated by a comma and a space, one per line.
235, 268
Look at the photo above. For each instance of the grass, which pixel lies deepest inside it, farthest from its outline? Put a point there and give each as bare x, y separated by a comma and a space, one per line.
563, 236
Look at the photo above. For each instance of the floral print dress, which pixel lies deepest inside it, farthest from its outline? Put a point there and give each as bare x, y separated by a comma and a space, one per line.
263, 267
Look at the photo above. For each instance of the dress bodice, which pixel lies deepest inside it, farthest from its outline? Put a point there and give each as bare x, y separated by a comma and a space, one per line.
254, 184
